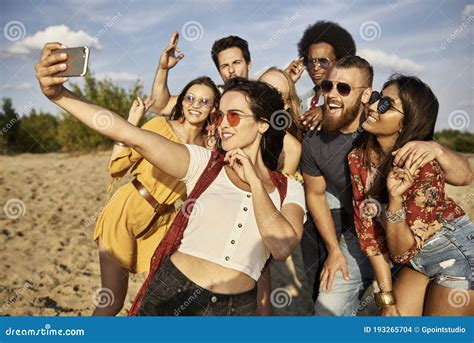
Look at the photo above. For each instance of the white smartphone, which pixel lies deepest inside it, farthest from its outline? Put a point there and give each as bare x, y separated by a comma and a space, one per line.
77, 61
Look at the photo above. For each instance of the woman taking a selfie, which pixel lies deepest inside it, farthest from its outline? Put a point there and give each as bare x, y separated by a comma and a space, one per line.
420, 227
138, 215
236, 216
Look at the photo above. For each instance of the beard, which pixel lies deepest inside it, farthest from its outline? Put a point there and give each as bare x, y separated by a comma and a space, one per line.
348, 115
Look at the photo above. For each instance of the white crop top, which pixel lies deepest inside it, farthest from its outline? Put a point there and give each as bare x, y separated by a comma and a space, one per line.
222, 226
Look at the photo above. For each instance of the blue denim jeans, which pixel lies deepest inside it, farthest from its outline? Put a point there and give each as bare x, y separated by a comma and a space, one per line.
345, 297
447, 258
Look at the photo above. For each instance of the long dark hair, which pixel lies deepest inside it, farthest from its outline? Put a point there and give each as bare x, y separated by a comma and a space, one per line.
265, 103
177, 111
420, 108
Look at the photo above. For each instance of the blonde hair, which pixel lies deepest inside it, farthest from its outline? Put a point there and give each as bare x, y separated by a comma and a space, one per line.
296, 129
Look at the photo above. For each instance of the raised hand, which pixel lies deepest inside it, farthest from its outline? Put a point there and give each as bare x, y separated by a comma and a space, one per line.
47, 67
138, 109
400, 180
295, 69
168, 58
241, 163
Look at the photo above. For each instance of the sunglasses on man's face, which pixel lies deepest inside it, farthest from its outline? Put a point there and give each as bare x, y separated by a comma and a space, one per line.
233, 118
344, 89
385, 103
323, 63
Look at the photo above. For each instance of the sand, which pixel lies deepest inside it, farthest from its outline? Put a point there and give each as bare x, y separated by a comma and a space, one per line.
48, 261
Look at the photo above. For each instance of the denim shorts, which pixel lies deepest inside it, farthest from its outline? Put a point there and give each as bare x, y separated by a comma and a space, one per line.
447, 258
171, 293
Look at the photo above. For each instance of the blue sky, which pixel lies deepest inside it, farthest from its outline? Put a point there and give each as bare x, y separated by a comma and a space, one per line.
431, 39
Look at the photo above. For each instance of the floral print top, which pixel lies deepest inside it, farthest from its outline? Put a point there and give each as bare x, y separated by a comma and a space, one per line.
426, 204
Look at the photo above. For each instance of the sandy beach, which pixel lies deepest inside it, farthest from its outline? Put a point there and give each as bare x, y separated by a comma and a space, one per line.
48, 260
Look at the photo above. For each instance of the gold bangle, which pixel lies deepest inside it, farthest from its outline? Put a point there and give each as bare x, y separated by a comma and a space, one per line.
384, 299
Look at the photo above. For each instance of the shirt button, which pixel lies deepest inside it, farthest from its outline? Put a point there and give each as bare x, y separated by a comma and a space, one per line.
213, 298
227, 258
245, 208
232, 242
179, 290
248, 195
240, 225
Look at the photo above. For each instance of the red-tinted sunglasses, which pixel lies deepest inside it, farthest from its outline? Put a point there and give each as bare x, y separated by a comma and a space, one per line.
233, 118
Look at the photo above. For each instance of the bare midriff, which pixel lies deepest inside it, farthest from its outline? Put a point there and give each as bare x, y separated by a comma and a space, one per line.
211, 276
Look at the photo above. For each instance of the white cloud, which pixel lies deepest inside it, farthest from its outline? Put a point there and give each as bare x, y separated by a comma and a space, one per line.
24, 85
119, 76
60, 33
468, 11
383, 60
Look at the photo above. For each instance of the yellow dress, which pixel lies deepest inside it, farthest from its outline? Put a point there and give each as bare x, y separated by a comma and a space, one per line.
127, 214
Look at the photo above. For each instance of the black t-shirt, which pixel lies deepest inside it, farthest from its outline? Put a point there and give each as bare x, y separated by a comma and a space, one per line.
325, 154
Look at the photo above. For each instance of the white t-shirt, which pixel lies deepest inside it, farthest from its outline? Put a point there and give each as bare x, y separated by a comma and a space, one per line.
222, 227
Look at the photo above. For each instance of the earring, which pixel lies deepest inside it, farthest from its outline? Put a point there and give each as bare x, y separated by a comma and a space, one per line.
181, 119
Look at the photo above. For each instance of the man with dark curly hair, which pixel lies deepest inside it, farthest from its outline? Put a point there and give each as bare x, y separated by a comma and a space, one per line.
322, 44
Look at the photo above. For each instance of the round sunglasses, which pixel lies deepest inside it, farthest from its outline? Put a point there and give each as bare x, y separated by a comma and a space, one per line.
323, 63
385, 103
233, 118
190, 99
344, 89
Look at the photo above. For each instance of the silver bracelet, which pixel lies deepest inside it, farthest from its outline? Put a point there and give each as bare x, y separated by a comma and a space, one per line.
397, 216
121, 144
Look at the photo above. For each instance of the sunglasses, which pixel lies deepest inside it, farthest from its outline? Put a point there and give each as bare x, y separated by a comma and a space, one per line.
344, 89
321, 62
233, 118
191, 99
384, 104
